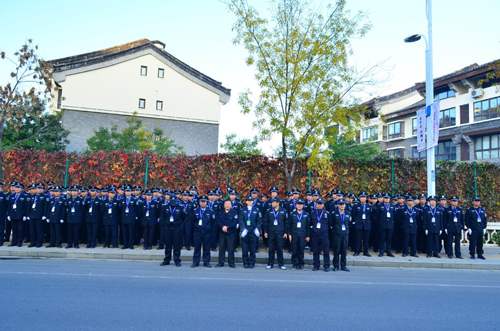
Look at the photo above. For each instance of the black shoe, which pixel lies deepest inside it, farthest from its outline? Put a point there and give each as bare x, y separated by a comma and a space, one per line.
252, 266
481, 257
164, 263
460, 257
88, 246
219, 265
19, 245
429, 255
208, 265
450, 256
194, 265
327, 269
315, 269
437, 255
68, 246
335, 268
93, 246
345, 269
59, 246
380, 255
160, 247
178, 264
50, 246
367, 254
11, 245
146, 248
390, 254
124, 247
31, 245
232, 265
188, 248
414, 255
77, 247
405, 255
356, 254
131, 246
245, 266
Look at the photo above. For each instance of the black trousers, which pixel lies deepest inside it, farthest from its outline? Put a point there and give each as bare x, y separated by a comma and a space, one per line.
397, 237
450, 239
321, 244
352, 242
226, 241
74, 234
214, 237
421, 239
410, 240
138, 231
275, 245
188, 234
173, 239
476, 242
374, 238
128, 234
248, 248
92, 233
385, 240
111, 236
149, 232
3, 234
199, 240
433, 243
55, 234
340, 252
365, 236
163, 230
298, 246
8, 230
17, 231
36, 229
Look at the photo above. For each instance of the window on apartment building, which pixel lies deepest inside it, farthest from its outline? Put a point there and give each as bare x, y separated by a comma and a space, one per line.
486, 109
418, 155
161, 72
370, 134
414, 127
396, 130
487, 147
446, 151
144, 71
447, 117
142, 103
399, 152
59, 98
159, 105
440, 95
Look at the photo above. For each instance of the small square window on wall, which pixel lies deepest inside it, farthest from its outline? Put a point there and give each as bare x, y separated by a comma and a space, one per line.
142, 103
159, 105
161, 72
144, 71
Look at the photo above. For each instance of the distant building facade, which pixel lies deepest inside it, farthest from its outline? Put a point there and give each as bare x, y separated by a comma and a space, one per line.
104, 88
469, 118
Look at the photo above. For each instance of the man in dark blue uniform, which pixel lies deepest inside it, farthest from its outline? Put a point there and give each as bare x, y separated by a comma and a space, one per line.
433, 220
16, 214
149, 215
341, 218
275, 226
227, 219
250, 223
111, 217
94, 209
55, 218
74, 216
476, 222
384, 214
410, 219
38, 209
188, 207
421, 237
174, 216
318, 235
204, 219
3, 214
215, 205
129, 211
361, 219
453, 227
297, 234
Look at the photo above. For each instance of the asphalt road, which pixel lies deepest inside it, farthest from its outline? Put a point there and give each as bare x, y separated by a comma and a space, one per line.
64, 294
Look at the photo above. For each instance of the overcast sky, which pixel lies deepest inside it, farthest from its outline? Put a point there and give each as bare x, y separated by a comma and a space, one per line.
199, 33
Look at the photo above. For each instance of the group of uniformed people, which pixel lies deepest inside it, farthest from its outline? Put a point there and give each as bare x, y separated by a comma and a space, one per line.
172, 219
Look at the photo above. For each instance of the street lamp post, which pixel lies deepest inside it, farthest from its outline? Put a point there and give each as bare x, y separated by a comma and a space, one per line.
429, 98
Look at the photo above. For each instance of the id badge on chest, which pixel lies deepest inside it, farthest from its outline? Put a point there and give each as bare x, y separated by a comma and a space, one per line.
34, 205
479, 219
126, 210
455, 219
171, 219
433, 220
53, 209
299, 225
110, 211
343, 227
411, 219
73, 209
200, 223
14, 206
318, 226
248, 223
147, 214
363, 217
275, 222
388, 215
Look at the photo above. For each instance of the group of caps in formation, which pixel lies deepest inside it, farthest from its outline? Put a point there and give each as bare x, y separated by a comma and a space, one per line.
173, 219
